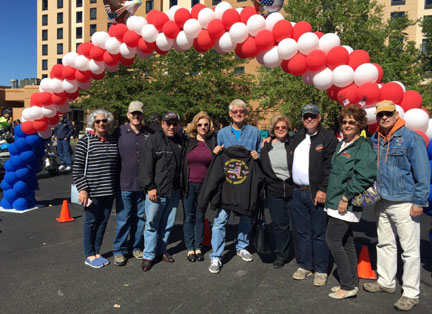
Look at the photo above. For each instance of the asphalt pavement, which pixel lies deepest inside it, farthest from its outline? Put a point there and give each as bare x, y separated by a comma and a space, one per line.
42, 271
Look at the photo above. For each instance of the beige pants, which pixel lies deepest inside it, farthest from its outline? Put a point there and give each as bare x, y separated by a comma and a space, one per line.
394, 220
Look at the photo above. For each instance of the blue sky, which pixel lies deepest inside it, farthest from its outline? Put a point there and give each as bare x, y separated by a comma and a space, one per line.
18, 31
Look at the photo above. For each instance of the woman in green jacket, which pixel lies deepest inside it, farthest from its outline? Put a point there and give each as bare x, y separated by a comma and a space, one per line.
353, 171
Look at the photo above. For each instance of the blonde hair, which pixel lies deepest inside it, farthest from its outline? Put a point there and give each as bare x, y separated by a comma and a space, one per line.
191, 128
279, 117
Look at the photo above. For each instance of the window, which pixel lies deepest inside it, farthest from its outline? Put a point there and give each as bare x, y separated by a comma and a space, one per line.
172, 3
59, 61
44, 20
214, 2
149, 6
395, 15
59, 49
93, 1
44, 50
76, 46
79, 3
44, 64
78, 32
92, 29
44, 76
45, 34
59, 4
59, 33
397, 2
93, 14
241, 0
193, 2
44, 5
108, 26
239, 70
428, 4
59, 18
79, 17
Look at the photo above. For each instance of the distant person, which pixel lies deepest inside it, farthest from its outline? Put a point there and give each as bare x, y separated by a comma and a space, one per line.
154, 122
5, 118
62, 134
76, 130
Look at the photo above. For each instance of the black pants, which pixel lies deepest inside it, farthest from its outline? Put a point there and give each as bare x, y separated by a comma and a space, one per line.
340, 241
279, 212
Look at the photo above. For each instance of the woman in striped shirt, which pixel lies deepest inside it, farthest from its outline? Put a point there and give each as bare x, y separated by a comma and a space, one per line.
95, 173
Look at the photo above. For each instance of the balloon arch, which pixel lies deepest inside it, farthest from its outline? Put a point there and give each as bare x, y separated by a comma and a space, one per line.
346, 74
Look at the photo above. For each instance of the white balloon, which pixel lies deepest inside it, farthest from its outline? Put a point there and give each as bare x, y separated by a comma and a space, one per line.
63, 108
307, 77
69, 59
287, 48
49, 111
172, 11
323, 79
55, 86
271, 58
401, 111
365, 73
217, 47
329, 41
112, 45
45, 85
416, 119
343, 75
401, 84
238, 32
127, 52
239, 10
226, 44
164, 43
97, 67
36, 113
293, 24
429, 130
308, 42
192, 28
82, 63
348, 48
149, 33
183, 41
370, 115
272, 19
23, 119
140, 54
205, 16
27, 114
45, 134
70, 86
99, 39
255, 24
220, 9
87, 84
260, 57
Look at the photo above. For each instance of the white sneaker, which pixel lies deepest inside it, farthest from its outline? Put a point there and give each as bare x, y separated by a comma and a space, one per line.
245, 255
68, 168
215, 265
62, 168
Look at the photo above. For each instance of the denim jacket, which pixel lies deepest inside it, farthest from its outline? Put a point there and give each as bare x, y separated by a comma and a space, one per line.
403, 166
250, 137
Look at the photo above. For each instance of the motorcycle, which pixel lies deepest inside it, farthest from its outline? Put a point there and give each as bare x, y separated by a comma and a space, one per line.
50, 162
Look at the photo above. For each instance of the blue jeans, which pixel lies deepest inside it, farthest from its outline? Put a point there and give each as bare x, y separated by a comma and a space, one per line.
193, 223
95, 221
218, 233
63, 152
160, 221
130, 208
309, 224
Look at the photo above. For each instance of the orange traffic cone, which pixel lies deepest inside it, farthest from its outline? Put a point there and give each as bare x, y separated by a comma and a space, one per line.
364, 268
64, 214
207, 234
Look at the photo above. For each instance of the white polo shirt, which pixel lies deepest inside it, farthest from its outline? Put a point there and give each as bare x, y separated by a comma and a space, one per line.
300, 169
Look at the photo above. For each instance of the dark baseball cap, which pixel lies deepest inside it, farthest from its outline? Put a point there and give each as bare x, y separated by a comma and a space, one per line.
170, 116
310, 108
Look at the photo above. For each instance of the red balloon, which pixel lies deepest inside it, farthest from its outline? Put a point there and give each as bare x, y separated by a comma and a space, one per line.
319, 34
34, 99
27, 127
264, 40
41, 124
372, 128
181, 16
111, 30
73, 95
282, 29
249, 48
369, 93
316, 60
98, 76
45, 98
348, 95
97, 53
197, 47
239, 52
58, 98
56, 71
380, 72
204, 41
84, 49
230, 17
68, 72
425, 138
145, 46
391, 91
333, 91
151, 15
111, 59
284, 66
357, 58
246, 13
126, 62
337, 56
170, 29
159, 20
131, 38
119, 31
196, 9
54, 120
162, 52
300, 28
297, 64
216, 29
411, 99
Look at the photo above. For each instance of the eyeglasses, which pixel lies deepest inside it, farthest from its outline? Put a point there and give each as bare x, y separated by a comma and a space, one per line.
312, 116
349, 122
388, 114
202, 124
281, 127
174, 124
240, 111
99, 121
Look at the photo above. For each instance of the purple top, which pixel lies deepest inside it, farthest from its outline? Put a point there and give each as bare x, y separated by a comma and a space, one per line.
198, 159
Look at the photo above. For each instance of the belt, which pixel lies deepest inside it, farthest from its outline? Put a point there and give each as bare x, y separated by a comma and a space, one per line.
302, 187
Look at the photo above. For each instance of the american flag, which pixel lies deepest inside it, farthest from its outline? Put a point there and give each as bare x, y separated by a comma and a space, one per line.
236, 171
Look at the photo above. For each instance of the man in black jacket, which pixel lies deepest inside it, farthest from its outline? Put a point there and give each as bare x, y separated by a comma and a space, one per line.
159, 175
310, 161
62, 134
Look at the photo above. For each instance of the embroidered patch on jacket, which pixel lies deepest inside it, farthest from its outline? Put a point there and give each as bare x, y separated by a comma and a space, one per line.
236, 171
345, 154
319, 147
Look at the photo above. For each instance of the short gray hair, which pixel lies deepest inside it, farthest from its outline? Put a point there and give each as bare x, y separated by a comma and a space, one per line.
237, 103
106, 113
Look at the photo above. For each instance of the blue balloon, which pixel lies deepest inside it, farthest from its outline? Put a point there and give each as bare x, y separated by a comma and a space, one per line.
28, 156
20, 204
13, 150
21, 187
34, 165
17, 162
8, 166
5, 185
429, 151
21, 144
22, 173
10, 195
10, 177
5, 204
18, 132
34, 140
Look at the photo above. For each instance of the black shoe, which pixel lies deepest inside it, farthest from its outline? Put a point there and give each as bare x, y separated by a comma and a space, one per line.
200, 257
191, 258
278, 263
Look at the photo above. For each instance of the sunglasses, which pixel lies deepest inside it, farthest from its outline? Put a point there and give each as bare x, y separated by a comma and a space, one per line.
99, 121
282, 127
388, 114
174, 124
349, 122
202, 124
240, 111
309, 115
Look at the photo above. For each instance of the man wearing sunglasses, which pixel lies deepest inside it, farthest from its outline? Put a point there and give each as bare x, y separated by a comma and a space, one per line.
131, 199
159, 174
403, 179
310, 162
